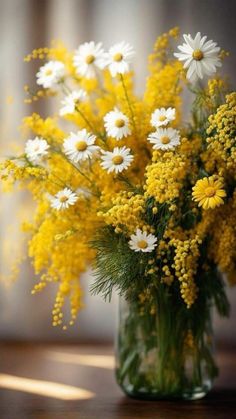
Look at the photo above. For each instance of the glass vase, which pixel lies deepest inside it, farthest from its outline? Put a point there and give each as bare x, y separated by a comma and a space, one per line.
164, 352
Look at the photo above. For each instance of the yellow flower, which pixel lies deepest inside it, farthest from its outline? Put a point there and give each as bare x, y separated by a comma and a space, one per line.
208, 192
221, 138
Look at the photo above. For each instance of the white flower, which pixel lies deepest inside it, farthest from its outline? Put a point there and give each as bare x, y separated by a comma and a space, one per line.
36, 149
142, 242
117, 160
162, 116
119, 57
50, 74
63, 199
200, 56
80, 146
164, 138
71, 101
117, 124
87, 57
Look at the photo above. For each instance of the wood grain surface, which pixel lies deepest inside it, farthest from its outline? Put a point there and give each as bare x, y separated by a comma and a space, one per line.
77, 382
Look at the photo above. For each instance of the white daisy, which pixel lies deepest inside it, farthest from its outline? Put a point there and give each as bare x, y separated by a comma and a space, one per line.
162, 116
119, 57
117, 160
36, 149
117, 124
164, 138
142, 242
87, 57
63, 199
71, 101
201, 56
50, 74
80, 146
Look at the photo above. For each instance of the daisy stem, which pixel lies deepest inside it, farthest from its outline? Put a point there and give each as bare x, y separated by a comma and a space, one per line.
20, 157
176, 85
90, 166
63, 184
128, 101
85, 176
80, 171
89, 124
100, 84
72, 164
98, 135
125, 180
67, 90
58, 151
60, 185
85, 118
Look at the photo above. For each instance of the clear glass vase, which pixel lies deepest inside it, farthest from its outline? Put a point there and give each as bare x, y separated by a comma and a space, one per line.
166, 353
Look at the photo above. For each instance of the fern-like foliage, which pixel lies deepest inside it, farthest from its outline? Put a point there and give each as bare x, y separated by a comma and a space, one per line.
117, 266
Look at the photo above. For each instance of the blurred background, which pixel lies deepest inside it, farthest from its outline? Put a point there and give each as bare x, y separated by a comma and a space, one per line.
29, 24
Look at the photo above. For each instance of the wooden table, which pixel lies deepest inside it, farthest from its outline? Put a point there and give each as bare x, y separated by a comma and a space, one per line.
77, 382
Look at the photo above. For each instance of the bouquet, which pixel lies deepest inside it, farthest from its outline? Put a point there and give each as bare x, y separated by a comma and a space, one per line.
128, 184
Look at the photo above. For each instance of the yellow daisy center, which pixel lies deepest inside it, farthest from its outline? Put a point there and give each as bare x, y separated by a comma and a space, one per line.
210, 192
142, 244
63, 199
119, 123
197, 55
162, 118
165, 139
117, 160
81, 146
90, 59
118, 57
48, 72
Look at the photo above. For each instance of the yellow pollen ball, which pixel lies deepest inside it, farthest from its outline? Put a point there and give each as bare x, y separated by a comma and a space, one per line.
63, 198
90, 59
162, 118
165, 140
119, 123
81, 146
197, 55
65, 288
118, 57
209, 192
48, 72
142, 244
117, 160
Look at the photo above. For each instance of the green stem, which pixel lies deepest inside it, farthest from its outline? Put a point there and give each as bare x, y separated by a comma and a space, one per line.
97, 193
128, 102
67, 90
176, 370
